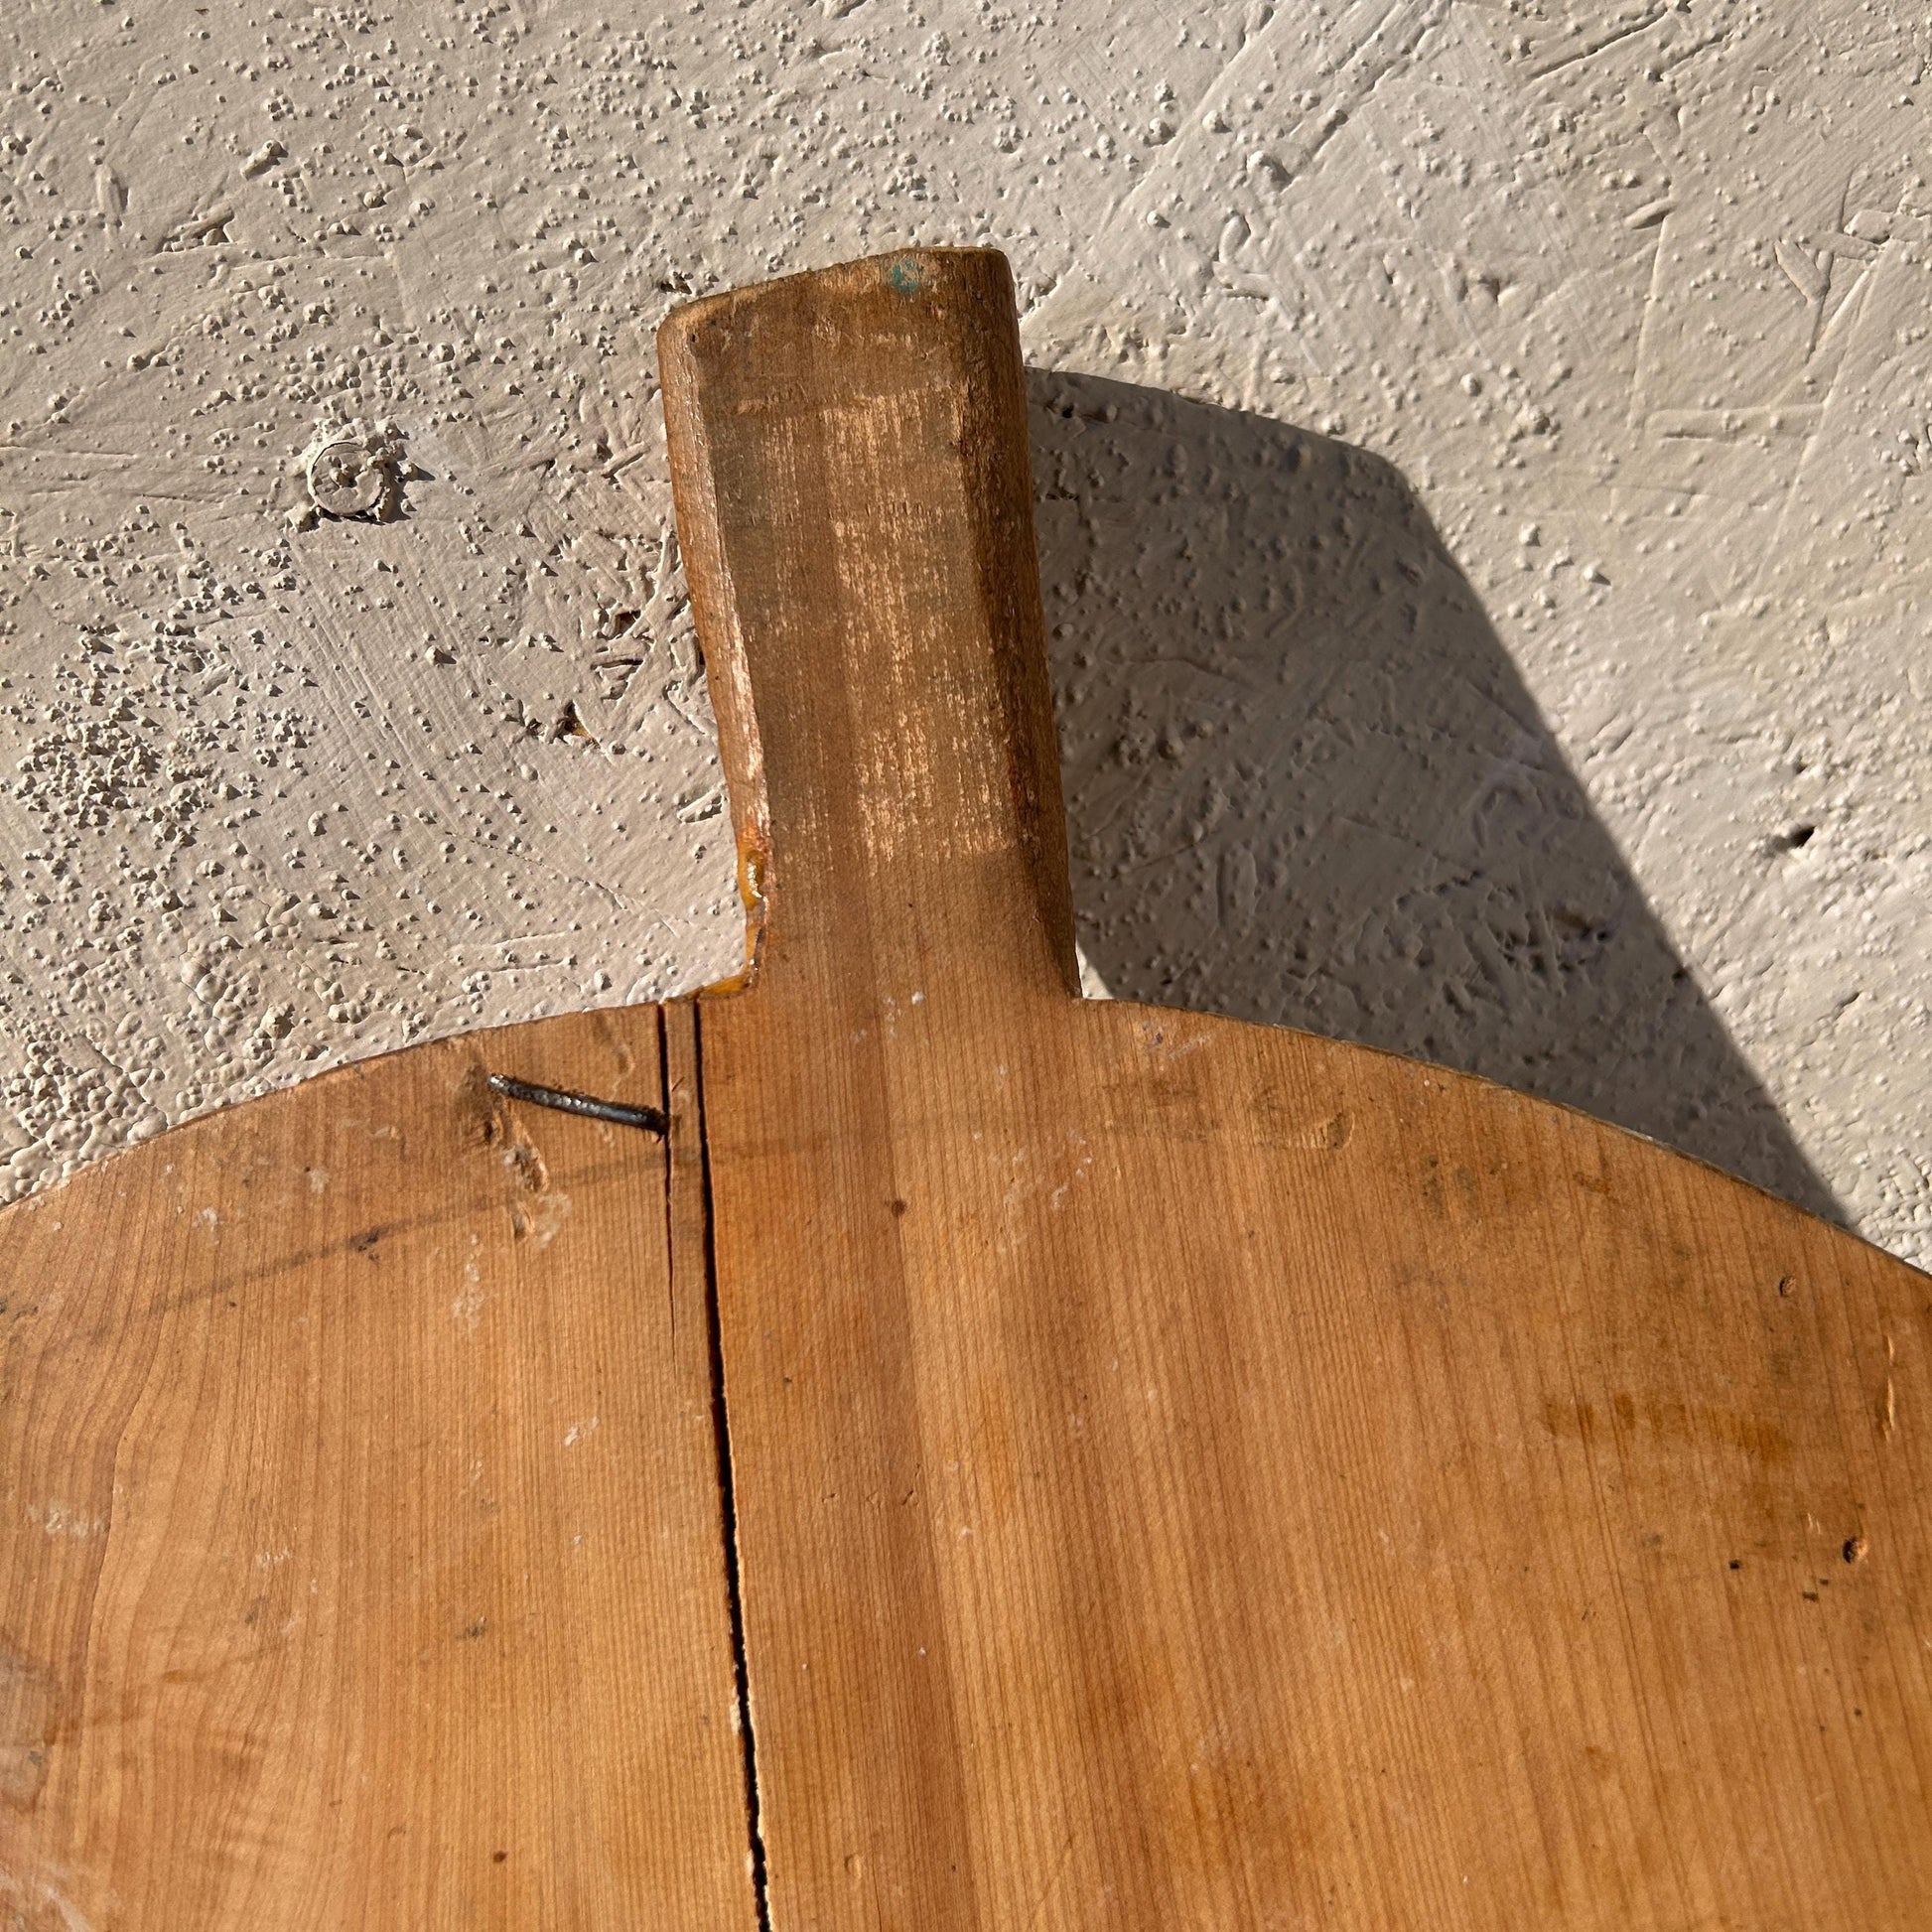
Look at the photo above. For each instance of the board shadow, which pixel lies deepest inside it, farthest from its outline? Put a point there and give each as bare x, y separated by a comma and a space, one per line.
1306, 785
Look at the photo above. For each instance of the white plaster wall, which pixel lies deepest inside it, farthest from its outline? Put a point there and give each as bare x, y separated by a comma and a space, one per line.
1482, 463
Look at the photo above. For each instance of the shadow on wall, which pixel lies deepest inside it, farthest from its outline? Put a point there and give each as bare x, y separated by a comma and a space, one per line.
1306, 786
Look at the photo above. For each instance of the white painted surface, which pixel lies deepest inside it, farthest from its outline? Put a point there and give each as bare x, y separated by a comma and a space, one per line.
1513, 650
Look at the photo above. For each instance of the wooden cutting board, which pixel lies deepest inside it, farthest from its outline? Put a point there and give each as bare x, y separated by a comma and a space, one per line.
1146, 1470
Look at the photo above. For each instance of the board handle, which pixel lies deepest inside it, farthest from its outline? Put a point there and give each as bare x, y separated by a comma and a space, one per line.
855, 508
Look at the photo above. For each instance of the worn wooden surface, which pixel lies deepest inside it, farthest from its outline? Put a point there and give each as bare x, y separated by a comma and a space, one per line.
1150, 1471
1189, 1474
361, 1560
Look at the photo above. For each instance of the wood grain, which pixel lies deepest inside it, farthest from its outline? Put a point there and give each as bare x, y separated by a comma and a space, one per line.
1188, 1473
360, 1562
1148, 1470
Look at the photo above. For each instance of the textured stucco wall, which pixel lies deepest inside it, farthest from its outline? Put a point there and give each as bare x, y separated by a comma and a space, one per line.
1482, 455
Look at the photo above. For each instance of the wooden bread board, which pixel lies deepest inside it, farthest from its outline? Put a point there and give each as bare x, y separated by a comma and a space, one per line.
1145, 1471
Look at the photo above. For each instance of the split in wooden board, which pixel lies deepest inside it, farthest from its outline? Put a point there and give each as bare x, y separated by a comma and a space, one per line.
1150, 1470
